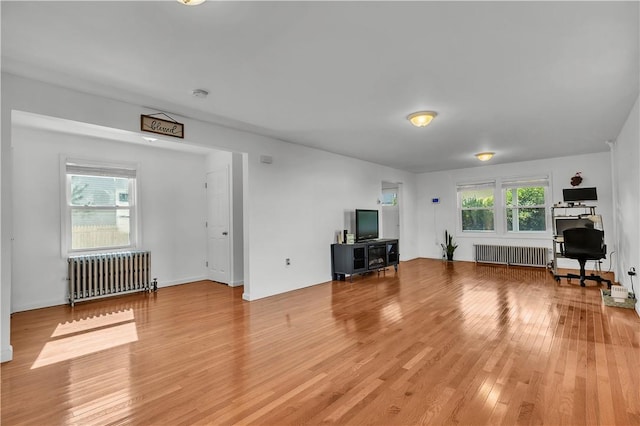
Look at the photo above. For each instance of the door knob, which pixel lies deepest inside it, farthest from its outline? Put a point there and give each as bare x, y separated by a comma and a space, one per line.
225, 233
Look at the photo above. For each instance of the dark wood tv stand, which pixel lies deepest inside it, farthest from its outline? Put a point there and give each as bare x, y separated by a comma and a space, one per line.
363, 257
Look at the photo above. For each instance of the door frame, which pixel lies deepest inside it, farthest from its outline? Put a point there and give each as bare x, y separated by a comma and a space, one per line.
399, 187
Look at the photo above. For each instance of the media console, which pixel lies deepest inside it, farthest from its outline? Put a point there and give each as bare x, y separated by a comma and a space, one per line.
362, 257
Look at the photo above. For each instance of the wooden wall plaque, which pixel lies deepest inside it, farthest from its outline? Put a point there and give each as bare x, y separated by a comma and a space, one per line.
149, 123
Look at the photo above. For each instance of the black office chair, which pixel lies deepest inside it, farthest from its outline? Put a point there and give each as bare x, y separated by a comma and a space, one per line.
584, 244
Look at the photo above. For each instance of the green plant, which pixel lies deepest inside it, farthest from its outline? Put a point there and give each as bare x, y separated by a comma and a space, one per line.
448, 246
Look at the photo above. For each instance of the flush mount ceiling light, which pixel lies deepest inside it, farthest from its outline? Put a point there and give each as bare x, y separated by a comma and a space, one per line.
485, 156
421, 118
199, 93
191, 2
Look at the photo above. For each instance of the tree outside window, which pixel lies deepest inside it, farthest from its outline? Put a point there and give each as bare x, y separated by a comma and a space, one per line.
477, 208
525, 209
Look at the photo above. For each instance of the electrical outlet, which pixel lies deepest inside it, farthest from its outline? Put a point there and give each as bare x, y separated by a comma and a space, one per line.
287, 262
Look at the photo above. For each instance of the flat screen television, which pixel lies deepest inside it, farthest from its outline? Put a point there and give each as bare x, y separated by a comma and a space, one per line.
366, 225
572, 195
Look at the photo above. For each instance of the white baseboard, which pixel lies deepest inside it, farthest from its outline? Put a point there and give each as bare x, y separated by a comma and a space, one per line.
259, 295
56, 302
40, 304
181, 281
6, 354
236, 283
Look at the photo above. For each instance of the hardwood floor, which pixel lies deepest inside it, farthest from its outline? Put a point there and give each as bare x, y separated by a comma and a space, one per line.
438, 343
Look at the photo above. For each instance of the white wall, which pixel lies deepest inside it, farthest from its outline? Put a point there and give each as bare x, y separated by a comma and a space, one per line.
237, 225
626, 158
292, 207
435, 218
171, 209
6, 350
299, 203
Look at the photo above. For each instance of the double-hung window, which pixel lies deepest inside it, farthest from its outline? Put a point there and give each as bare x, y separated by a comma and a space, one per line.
476, 206
525, 203
101, 208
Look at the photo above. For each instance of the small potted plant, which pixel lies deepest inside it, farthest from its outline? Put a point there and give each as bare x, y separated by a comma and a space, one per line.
448, 246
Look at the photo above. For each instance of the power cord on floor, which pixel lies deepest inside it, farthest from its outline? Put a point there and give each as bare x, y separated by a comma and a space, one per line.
611, 260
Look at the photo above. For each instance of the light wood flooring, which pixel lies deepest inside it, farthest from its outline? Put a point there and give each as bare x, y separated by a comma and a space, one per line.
436, 343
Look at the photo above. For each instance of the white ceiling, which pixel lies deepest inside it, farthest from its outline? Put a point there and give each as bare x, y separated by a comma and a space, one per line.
527, 80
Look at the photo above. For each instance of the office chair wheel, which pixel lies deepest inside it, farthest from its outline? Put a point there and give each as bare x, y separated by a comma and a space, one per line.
582, 283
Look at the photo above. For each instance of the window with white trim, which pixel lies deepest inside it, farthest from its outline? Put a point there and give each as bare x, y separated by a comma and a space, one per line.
476, 206
525, 203
101, 208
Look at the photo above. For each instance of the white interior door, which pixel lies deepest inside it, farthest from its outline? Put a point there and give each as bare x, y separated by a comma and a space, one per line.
218, 226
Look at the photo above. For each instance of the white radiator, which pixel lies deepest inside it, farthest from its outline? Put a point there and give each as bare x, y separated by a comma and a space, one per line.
511, 255
102, 275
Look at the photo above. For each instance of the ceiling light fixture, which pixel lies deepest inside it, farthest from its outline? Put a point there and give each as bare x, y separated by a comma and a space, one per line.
199, 93
485, 156
191, 2
421, 118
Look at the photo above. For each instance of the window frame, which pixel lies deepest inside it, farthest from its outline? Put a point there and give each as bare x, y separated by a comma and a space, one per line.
462, 187
74, 167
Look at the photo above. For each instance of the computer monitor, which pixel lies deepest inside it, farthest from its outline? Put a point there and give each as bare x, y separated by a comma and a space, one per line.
579, 194
563, 223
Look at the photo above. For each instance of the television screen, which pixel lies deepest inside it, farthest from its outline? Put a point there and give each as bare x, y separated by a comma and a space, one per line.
579, 194
366, 225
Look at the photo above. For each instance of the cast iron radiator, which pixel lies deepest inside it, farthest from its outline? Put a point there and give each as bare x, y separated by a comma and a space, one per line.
511, 255
107, 274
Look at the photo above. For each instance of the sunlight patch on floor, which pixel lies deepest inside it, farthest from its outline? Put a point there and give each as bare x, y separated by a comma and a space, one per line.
91, 323
86, 343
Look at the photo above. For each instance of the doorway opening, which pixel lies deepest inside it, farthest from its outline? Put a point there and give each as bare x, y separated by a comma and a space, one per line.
390, 206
